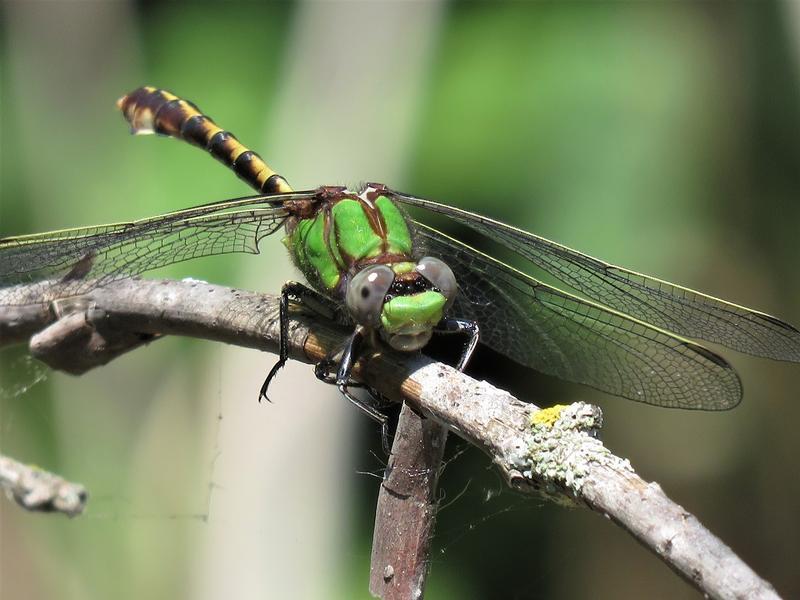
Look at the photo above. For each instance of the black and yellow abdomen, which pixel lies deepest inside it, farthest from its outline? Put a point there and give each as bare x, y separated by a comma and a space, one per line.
151, 110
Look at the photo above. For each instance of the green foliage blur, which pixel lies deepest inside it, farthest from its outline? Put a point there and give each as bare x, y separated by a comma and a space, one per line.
663, 136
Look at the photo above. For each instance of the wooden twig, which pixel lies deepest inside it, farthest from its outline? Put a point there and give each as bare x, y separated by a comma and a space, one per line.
406, 511
552, 452
38, 490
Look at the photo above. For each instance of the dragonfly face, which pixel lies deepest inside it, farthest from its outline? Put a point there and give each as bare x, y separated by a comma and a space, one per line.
357, 247
402, 301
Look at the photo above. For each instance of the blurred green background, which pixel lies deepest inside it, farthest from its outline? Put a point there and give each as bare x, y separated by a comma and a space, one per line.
663, 136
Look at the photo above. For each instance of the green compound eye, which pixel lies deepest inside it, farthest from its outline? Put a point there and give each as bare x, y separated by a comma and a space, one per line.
365, 294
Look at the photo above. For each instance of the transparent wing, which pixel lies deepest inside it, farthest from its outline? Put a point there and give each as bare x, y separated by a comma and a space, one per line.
663, 304
81, 259
576, 340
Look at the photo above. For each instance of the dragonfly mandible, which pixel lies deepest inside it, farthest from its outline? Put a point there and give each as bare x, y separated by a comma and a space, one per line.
399, 281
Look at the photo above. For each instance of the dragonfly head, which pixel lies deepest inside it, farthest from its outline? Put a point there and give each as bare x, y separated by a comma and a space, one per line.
403, 301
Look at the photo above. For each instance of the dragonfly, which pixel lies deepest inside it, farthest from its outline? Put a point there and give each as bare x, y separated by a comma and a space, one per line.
398, 281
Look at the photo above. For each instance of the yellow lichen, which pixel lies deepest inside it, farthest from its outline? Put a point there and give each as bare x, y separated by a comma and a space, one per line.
547, 416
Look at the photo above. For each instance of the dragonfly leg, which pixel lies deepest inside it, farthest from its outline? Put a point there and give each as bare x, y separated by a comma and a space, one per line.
452, 325
349, 356
293, 290
322, 370
325, 370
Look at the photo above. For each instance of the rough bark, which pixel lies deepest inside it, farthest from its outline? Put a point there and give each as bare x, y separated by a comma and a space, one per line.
551, 452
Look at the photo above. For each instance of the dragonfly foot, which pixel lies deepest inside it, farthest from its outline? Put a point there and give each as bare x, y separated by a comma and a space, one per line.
463, 326
272, 372
370, 411
323, 371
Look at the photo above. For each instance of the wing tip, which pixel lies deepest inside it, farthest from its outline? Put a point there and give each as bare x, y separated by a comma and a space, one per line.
709, 355
779, 323
730, 392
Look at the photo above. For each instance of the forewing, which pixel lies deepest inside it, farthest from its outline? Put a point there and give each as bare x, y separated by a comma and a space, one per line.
73, 261
663, 304
576, 340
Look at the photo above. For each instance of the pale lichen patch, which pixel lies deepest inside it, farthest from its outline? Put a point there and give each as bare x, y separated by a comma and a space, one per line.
562, 448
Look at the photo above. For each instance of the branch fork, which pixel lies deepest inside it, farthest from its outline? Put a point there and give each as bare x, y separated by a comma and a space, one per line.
555, 452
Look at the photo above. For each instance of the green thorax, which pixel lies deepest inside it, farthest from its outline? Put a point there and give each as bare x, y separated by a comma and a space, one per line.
344, 232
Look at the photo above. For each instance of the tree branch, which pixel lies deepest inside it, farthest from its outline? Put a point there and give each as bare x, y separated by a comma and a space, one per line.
406, 511
38, 490
552, 452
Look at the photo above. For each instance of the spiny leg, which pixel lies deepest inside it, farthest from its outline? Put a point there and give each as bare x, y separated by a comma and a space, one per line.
450, 325
349, 357
292, 290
